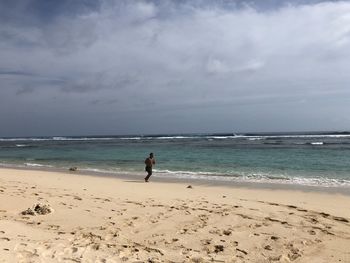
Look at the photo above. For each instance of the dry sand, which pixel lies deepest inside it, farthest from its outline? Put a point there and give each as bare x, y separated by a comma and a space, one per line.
98, 219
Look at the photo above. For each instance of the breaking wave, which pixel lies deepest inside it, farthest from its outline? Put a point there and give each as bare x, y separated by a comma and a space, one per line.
256, 178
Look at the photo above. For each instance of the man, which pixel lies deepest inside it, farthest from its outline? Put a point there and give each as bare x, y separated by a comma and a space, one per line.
150, 161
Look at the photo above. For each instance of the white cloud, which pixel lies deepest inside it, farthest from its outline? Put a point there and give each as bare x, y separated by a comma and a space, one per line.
216, 66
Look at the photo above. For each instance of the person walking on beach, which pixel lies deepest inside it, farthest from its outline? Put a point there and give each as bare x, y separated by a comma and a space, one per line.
150, 161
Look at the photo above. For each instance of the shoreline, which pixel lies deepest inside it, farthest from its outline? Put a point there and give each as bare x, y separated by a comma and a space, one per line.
109, 219
344, 190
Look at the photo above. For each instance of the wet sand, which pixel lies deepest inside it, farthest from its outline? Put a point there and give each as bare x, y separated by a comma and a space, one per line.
105, 219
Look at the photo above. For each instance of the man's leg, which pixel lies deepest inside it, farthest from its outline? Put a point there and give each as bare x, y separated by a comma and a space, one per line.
149, 171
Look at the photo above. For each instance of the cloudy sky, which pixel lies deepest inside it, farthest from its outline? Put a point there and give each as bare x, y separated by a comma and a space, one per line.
138, 67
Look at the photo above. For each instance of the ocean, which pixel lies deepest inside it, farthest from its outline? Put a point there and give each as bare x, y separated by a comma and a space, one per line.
312, 159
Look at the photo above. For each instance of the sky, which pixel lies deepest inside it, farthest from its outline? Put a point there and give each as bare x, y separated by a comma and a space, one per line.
103, 67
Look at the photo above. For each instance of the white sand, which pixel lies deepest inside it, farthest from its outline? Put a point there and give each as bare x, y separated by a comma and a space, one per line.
97, 219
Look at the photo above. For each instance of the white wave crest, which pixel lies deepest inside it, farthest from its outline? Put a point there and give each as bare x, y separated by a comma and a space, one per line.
185, 172
81, 138
255, 178
36, 165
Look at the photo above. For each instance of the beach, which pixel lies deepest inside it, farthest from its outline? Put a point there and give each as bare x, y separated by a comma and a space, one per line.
112, 219
238, 110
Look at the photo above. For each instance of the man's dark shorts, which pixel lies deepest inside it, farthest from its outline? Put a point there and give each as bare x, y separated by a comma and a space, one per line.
149, 169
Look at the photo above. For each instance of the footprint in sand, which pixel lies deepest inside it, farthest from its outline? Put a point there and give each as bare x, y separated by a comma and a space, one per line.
227, 232
268, 247
340, 219
215, 231
242, 251
235, 243
302, 210
54, 227
274, 238
153, 221
244, 216
276, 220
130, 223
78, 198
312, 232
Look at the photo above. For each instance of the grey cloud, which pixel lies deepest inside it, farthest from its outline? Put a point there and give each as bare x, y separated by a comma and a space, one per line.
25, 90
23, 82
99, 81
105, 102
206, 59
38, 12
15, 73
69, 35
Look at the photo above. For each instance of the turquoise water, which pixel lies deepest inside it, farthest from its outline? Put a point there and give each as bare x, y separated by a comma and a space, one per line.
308, 159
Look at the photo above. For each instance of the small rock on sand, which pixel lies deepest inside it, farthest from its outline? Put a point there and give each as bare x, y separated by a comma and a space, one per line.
190, 186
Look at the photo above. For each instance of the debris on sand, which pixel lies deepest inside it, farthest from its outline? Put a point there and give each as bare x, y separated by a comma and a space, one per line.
218, 248
38, 209
73, 169
190, 186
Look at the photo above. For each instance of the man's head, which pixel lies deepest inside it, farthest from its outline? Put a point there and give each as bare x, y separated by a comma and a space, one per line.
151, 155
